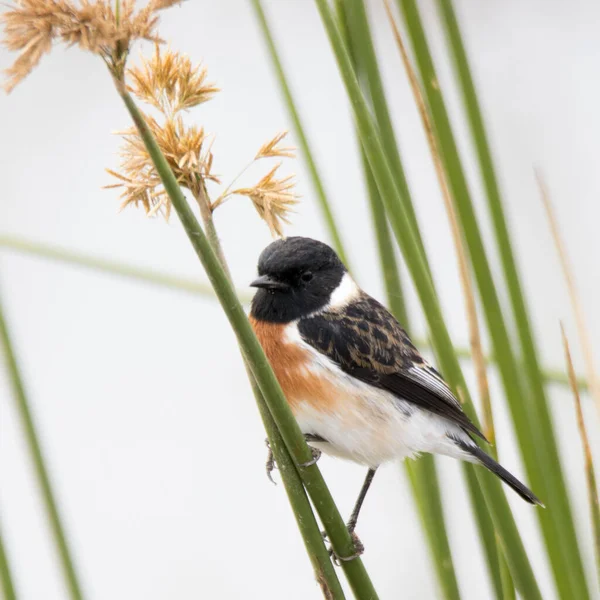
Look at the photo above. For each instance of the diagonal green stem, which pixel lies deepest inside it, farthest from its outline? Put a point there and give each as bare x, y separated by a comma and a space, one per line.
495, 498
353, 14
531, 416
307, 524
41, 471
268, 384
305, 519
422, 474
336, 238
6, 578
192, 286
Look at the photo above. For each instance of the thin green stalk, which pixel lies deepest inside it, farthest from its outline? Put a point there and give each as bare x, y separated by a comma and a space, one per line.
6, 578
495, 498
387, 258
353, 12
587, 451
422, 474
305, 518
128, 271
276, 402
531, 417
62, 255
307, 524
495, 205
317, 182
492, 553
39, 463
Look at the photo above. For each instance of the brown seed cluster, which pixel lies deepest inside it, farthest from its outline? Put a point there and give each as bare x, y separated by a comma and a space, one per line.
31, 27
170, 83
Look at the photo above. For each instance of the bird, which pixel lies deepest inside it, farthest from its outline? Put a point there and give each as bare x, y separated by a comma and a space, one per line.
356, 384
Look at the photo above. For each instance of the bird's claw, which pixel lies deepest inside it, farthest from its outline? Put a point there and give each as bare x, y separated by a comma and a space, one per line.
316, 455
359, 549
270, 464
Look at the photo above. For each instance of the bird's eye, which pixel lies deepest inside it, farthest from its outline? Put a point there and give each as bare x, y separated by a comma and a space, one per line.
306, 276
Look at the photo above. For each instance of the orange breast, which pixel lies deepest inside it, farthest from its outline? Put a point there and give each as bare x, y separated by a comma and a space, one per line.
290, 364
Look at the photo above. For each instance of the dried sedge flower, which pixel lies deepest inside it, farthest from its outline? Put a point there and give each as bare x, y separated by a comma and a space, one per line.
272, 148
170, 82
273, 199
188, 152
32, 26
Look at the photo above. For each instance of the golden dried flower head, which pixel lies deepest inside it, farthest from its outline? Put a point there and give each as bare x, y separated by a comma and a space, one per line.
272, 149
169, 82
187, 150
273, 199
32, 26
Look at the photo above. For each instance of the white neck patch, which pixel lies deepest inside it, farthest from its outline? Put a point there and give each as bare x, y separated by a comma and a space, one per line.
344, 293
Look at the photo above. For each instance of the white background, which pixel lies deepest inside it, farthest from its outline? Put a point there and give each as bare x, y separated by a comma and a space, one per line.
145, 415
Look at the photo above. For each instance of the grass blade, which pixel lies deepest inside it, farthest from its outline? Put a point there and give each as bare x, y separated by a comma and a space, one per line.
6, 579
355, 17
464, 276
587, 451
112, 267
422, 473
531, 417
192, 286
336, 238
495, 499
39, 463
286, 423
305, 519
582, 328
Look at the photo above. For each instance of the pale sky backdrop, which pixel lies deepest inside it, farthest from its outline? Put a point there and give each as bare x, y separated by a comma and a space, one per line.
143, 408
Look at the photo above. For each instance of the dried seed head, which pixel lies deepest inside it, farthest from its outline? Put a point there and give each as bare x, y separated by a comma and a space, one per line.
32, 26
170, 82
187, 150
273, 149
273, 199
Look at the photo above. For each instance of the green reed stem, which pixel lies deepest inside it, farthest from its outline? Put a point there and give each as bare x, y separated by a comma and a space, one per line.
192, 286
268, 384
353, 12
305, 519
531, 417
41, 471
307, 524
6, 578
495, 498
317, 182
422, 474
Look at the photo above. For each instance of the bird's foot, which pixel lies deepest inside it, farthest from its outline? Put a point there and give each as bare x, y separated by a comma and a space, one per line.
316, 455
359, 549
270, 464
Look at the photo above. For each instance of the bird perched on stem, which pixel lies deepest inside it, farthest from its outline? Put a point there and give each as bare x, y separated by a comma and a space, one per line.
356, 384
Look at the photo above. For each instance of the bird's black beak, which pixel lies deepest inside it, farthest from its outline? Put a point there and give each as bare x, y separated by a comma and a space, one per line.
269, 283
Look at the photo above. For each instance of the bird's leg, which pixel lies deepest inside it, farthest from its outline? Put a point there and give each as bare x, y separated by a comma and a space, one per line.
358, 545
360, 500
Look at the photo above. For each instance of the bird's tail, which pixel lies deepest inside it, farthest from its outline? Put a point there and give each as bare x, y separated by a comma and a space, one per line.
500, 471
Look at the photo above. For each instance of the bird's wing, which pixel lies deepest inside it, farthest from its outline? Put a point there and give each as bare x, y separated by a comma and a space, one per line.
367, 342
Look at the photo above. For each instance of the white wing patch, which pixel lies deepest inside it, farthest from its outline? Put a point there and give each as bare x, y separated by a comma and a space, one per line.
429, 380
